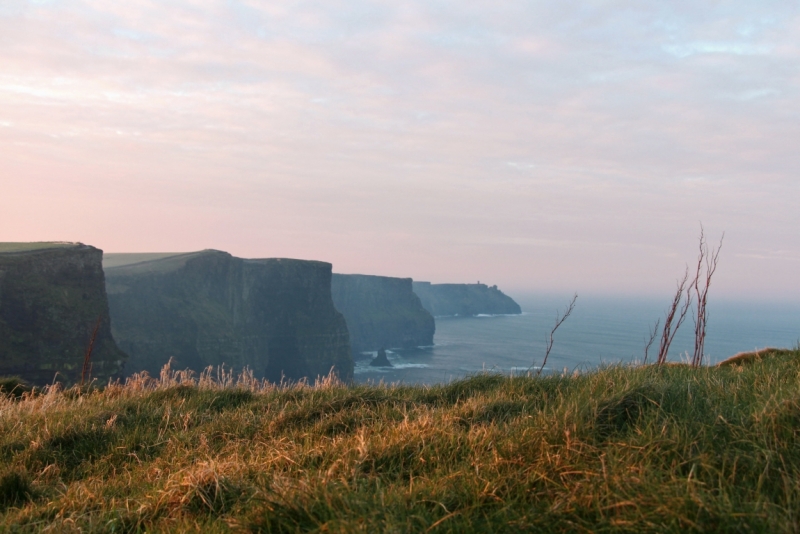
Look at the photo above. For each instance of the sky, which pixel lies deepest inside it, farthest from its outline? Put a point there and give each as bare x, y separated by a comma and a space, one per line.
552, 146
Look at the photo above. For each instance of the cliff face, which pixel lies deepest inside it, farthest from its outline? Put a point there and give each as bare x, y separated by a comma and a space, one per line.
464, 299
274, 316
381, 312
51, 297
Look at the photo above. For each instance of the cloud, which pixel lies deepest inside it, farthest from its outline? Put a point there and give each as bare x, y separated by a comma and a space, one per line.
620, 122
737, 49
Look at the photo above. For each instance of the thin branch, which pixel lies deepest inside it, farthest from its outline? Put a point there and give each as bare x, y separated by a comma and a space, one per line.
668, 334
698, 319
709, 261
559, 321
649, 344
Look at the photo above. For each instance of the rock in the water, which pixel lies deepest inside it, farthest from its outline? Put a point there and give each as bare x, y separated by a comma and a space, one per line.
464, 300
208, 308
381, 360
52, 296
381, 311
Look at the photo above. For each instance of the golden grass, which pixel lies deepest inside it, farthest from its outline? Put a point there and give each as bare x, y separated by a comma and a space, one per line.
622, 449
743, 358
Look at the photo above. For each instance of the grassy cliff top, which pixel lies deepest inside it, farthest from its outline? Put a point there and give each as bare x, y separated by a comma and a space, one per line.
372, 278
621, 449
286, 261
37, 245
129, 264
119, 259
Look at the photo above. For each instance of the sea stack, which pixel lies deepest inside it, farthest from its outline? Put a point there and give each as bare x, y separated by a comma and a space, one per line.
381, 360
464, 300
209, 308
52, 298
381, 311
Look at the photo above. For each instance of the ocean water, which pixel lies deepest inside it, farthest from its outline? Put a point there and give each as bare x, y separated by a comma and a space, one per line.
601, 330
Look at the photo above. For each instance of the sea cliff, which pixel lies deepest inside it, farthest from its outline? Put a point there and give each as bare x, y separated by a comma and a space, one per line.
52, 297
464, 299
208, 308
381, 312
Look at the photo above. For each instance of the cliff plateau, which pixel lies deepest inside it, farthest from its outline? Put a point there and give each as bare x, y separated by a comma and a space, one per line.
464, 299
51, 298
381, 311
209, 308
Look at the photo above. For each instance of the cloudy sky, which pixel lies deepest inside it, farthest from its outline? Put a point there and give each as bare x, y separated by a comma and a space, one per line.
540, 145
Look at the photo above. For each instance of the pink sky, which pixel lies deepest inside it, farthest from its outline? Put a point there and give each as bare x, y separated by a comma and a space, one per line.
552, 147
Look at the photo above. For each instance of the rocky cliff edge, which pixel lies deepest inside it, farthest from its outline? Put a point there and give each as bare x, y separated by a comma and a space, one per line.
381, 311
208, 308
52, 296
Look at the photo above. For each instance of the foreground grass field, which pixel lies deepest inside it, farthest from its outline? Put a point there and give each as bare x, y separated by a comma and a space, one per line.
616, 450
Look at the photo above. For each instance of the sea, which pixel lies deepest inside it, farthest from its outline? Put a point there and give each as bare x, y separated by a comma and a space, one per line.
600, 331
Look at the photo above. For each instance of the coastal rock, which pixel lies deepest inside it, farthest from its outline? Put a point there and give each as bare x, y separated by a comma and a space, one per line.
464, 300
381, 360
52, 296
208, 308
381, 311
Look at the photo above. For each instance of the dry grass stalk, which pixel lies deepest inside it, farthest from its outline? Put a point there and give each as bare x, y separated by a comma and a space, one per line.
86, 370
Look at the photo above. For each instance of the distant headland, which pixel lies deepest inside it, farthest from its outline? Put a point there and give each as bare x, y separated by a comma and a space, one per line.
464, 300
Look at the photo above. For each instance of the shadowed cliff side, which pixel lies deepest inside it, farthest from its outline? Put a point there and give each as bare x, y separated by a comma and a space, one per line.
51, 298
464, 299
205, 308
381, 311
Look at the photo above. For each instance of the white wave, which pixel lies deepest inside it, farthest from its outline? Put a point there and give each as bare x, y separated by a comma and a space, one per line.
410, 366
457, 316
395, 366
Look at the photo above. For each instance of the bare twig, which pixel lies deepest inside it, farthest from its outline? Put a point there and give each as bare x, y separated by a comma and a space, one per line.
559, 321
653, 334
707, 259
668, 334
86, 371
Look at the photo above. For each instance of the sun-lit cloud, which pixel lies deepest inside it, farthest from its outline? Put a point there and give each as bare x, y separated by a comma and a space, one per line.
541, 145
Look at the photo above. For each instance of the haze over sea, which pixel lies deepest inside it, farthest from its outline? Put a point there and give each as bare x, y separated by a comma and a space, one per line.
601, 330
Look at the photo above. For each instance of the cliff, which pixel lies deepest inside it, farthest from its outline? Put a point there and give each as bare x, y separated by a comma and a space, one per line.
381, 312
209, 308
464, 299
51, 297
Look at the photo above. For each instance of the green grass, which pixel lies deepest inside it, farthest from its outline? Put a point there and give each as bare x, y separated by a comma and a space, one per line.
30, 246
621, 449
127, 264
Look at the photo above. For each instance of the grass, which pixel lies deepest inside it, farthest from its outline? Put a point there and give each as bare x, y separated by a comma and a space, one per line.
621, 449
31, 246
13, 387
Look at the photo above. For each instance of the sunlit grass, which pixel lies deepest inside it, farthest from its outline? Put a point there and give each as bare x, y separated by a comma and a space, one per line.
619, 449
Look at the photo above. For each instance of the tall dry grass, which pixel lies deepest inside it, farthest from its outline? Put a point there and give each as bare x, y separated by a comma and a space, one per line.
621, 449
